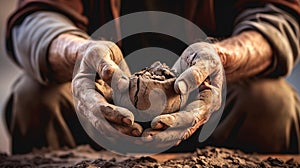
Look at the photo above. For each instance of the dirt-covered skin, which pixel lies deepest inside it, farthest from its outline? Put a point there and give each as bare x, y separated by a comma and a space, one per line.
84, 156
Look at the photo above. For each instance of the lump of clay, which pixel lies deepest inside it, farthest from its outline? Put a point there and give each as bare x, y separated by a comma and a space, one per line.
151, 93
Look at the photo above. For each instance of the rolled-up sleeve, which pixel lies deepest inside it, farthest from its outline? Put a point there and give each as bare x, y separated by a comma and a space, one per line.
282, 32
32, 38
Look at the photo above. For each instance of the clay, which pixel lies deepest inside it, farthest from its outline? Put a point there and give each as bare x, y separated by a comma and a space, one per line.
151, 93
158, 76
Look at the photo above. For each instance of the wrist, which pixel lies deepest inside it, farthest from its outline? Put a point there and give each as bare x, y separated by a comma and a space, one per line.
222, 53
62, 55
244, 55
66, 46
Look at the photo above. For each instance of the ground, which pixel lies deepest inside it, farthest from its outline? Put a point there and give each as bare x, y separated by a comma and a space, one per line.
84, 156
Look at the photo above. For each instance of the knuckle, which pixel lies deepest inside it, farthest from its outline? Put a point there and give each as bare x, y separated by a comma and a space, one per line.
96, 50
115, 52
196, 75
202, 51
109, 43
106, 71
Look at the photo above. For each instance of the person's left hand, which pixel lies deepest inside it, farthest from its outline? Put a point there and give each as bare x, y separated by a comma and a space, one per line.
201, 72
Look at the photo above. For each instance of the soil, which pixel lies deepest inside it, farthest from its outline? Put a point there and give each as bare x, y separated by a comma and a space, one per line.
157, 76
151, 92
84, 156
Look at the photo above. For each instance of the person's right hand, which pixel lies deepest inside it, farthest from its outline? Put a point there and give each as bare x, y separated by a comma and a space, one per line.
99, 61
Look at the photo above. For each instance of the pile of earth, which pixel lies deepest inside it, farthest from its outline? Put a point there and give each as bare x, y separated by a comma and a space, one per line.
84, 156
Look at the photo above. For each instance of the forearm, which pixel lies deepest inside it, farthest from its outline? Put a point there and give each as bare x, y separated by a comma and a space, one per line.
62, 56
244, 55
265, 43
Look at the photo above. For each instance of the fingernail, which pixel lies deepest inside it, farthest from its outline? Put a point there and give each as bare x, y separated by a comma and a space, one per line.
127, 121
182, 87
122, 84
136, 133
177, 143
159, 125
107, 71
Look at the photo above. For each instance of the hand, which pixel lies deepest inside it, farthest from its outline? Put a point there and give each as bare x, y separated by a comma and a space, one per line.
201, 72
99, 61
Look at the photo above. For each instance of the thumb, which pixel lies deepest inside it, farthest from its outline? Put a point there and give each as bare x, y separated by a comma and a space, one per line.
190, 79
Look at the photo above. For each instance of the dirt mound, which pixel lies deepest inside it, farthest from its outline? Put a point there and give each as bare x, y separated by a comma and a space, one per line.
84, 156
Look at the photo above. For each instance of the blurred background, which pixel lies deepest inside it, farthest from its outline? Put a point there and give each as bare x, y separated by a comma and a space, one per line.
9, 72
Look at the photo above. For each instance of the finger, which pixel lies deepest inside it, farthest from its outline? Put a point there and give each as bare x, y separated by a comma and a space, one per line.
175, 120
189, 132
113, 75
84, 92
190, 79
163, 121
100, 124
118, 115
162, 138
203, 100
200, 60
115, 67
111, 132
83, 86
169, 136
197, 111
117, 57
174, 136
107, 132
208, 95
179, 66
104, 60
186, 122
133, 130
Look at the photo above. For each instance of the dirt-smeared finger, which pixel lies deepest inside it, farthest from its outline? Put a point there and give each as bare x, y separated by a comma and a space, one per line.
182, 119
133, 130
163, 136
116, 114
190, 79
162, 121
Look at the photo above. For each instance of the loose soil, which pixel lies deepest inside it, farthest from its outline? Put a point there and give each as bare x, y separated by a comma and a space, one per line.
84, 156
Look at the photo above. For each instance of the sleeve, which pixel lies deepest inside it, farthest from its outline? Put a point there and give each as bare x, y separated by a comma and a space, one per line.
73, 10
282, 32
32, 38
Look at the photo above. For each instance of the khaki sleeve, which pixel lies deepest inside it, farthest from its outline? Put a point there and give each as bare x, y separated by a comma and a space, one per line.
73, 10
32, 38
